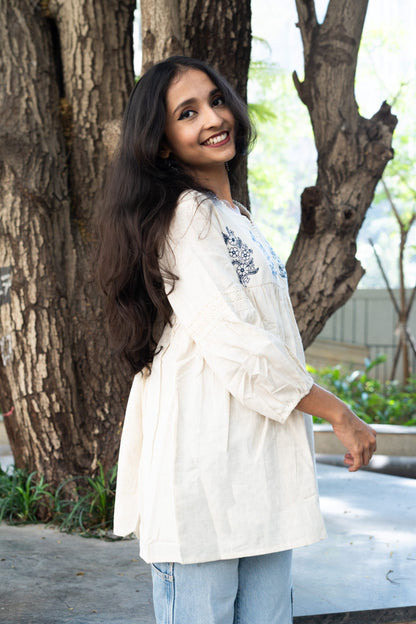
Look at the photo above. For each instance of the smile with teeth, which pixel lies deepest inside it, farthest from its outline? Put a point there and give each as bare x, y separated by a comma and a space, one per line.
218, 138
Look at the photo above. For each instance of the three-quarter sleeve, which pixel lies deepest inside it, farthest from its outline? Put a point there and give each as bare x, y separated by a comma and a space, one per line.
213, 306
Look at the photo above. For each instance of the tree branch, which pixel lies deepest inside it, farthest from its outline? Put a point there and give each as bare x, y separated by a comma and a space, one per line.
393, 206
386, 279
409, 336
352, 154
307, 24
411, 301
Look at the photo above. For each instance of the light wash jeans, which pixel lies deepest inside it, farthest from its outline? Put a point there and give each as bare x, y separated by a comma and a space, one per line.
251, 590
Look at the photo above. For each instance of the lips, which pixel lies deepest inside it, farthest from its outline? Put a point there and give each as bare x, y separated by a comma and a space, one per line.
218, 138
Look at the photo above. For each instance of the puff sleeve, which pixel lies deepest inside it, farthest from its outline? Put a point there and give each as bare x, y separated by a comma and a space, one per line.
212, 305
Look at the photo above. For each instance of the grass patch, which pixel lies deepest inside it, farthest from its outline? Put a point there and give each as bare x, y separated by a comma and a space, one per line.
90, 511
22, 496
80, 504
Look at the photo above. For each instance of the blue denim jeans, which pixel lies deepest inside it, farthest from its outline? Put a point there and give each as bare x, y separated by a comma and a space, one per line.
251, 590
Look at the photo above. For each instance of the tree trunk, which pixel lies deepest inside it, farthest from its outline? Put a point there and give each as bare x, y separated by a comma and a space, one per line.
352, 154
66, 72
67, 69
60, 92
161, 31
188, 27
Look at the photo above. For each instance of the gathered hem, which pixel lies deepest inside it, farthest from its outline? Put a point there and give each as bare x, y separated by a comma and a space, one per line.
157, 553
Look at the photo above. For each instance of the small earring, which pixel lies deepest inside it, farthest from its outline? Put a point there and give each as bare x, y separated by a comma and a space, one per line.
171, 163
227, 166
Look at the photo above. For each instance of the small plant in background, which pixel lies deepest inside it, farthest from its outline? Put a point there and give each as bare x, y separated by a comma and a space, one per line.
375, 402
83, 504
23, 496
86, 504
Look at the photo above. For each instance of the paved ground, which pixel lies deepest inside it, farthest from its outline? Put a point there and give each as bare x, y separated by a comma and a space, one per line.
368, 561
365, 572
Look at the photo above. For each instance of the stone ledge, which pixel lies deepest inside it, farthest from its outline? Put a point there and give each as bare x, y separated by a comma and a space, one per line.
403, 615
391, 440
384, 464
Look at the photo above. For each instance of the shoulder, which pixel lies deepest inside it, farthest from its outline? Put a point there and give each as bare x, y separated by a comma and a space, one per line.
194, 200
195, 211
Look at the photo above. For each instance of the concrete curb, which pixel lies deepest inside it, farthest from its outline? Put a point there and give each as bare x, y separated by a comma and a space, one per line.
392, 440
406, 615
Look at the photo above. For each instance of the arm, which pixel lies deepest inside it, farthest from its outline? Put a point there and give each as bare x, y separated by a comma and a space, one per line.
256, 366
357, 437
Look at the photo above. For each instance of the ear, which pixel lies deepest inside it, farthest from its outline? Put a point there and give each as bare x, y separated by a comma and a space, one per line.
164, 151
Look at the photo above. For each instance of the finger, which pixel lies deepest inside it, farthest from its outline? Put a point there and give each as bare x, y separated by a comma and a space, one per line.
348, 460
357, 462
366, 456
368, 453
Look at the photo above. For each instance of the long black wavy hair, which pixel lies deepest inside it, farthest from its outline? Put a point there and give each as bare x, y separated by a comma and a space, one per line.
140, 197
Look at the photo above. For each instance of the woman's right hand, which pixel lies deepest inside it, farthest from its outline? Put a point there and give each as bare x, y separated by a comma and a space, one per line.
358, 438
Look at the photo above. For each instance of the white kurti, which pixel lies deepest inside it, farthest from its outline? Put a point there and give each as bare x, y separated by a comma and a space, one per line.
215, 462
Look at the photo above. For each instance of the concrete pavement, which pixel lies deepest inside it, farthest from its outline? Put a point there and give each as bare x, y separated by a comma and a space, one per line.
365, 572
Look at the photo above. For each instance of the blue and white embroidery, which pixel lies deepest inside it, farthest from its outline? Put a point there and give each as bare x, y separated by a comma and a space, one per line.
241, 256
274, 262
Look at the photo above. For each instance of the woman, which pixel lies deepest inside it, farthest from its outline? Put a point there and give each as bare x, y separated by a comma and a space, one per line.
216, 471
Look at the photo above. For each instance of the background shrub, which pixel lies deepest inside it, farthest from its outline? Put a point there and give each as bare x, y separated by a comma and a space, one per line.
389, 403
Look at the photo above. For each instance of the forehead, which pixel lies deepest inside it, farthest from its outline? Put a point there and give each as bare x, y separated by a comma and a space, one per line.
188, 84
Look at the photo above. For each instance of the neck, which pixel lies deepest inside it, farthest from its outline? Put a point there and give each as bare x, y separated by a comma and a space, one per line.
216, 181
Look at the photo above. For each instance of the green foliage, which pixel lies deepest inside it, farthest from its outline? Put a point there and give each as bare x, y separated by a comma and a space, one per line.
277, 173
261, 112
283, 160
22, 496
398, 87
389, 403
89, 506
83, 504
400, 172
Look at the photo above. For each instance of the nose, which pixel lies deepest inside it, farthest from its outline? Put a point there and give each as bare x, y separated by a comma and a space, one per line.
212, 117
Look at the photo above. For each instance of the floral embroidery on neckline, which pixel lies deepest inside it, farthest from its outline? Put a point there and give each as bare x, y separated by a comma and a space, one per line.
241, 256
276, 265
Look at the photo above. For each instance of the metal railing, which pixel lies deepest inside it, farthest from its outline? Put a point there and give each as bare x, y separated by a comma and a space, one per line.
368, 319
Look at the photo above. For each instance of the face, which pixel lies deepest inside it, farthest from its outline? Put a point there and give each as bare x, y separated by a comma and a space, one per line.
199, 126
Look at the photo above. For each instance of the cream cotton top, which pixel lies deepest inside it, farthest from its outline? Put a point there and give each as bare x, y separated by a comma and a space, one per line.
215, 461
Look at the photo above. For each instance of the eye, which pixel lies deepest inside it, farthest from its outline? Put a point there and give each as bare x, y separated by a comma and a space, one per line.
187, 114
219, 100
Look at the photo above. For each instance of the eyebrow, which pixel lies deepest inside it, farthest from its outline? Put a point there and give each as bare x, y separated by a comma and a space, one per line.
191, 101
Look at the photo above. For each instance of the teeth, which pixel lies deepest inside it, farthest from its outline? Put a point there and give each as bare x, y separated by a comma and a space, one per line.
216, 139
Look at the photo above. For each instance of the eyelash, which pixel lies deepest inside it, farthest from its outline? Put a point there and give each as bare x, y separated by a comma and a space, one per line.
184, 115
219, 97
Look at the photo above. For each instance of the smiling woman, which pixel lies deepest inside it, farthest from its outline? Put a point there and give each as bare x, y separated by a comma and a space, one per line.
200, 130
144, 184
216, 472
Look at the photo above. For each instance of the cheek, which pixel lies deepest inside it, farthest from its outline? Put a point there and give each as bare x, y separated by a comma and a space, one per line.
184, 140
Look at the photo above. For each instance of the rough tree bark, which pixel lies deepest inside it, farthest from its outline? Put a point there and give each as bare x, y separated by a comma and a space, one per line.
67, 69
352, 153
216, 31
